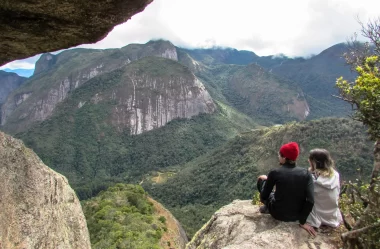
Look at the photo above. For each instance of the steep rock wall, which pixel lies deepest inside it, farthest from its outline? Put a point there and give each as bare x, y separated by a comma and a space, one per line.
38, 207
147, 102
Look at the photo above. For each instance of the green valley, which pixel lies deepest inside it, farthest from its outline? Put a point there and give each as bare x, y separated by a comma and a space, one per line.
229, 172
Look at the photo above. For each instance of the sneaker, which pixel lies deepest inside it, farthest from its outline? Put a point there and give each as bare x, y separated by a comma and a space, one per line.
264, 209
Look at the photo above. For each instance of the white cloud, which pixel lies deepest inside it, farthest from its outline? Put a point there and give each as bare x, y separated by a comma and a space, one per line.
292, 27
22, 64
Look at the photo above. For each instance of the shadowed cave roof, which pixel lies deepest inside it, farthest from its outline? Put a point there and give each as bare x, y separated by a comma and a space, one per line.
30, 27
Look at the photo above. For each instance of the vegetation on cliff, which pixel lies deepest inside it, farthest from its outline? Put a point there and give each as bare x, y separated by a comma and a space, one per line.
364, 96
123, 217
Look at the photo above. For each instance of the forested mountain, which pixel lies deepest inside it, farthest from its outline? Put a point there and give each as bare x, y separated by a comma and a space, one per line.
125, 217
263, 96
187, 125
91, 137
193, 191
314, 78
56, 76
231, 76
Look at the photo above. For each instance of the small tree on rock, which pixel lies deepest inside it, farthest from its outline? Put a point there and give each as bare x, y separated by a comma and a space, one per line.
364, 96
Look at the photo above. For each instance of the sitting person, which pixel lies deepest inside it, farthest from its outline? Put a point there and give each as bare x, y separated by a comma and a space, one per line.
326, 192
293, 199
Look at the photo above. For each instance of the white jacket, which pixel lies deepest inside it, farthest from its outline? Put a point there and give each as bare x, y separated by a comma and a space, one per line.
326, 195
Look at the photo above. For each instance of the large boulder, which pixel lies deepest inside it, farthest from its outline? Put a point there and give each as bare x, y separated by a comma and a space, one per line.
240, 225
33, 27
38, 207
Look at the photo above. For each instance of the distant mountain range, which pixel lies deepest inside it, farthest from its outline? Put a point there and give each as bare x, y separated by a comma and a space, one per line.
20, 72
8, 83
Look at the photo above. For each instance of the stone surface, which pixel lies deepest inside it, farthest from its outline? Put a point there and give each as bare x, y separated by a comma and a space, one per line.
240, 225
33, 27
38, 207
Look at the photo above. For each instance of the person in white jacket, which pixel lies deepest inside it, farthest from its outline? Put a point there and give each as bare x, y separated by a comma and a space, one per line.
326, 192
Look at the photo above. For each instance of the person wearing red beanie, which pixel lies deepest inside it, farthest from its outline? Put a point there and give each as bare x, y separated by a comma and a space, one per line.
293, 199
290, 151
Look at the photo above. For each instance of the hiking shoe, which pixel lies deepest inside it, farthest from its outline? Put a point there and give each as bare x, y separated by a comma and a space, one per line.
264, 209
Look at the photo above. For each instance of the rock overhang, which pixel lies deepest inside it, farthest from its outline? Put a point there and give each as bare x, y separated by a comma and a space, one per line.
33, 27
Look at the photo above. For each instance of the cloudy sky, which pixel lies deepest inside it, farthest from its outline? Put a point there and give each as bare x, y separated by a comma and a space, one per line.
291, 27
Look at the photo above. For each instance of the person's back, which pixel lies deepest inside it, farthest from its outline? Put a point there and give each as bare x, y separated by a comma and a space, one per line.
326, 192
291, 192
293, 198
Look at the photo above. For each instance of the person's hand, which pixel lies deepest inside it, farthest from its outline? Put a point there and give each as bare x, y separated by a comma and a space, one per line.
262, 177
309, 229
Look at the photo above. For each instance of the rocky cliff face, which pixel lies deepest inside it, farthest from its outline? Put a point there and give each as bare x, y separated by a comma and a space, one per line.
240, 225
61, 74
8, 83
38, 207
150, 93
148, 101
42, 103
44, 63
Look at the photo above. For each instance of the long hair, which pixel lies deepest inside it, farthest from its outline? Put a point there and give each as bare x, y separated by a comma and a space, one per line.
321, 162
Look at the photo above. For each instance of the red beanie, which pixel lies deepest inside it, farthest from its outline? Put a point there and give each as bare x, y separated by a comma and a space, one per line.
290, 150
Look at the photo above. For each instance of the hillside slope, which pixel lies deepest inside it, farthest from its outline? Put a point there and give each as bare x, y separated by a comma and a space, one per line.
230, 171
57, 76
92, 136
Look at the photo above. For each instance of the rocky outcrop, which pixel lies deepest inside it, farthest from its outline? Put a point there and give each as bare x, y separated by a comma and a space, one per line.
8, 83
38, 207
33, 27
44, 63
240, 225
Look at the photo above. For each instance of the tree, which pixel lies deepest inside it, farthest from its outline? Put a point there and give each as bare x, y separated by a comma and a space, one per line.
364, 96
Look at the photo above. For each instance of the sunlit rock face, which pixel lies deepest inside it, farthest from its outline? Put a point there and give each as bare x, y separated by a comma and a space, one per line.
38, 207
240, 225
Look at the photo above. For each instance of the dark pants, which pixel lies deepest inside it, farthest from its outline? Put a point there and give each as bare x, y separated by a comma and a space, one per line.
260, 188
260, 184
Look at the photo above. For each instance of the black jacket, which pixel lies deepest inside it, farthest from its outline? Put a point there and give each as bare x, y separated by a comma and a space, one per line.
294, 195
